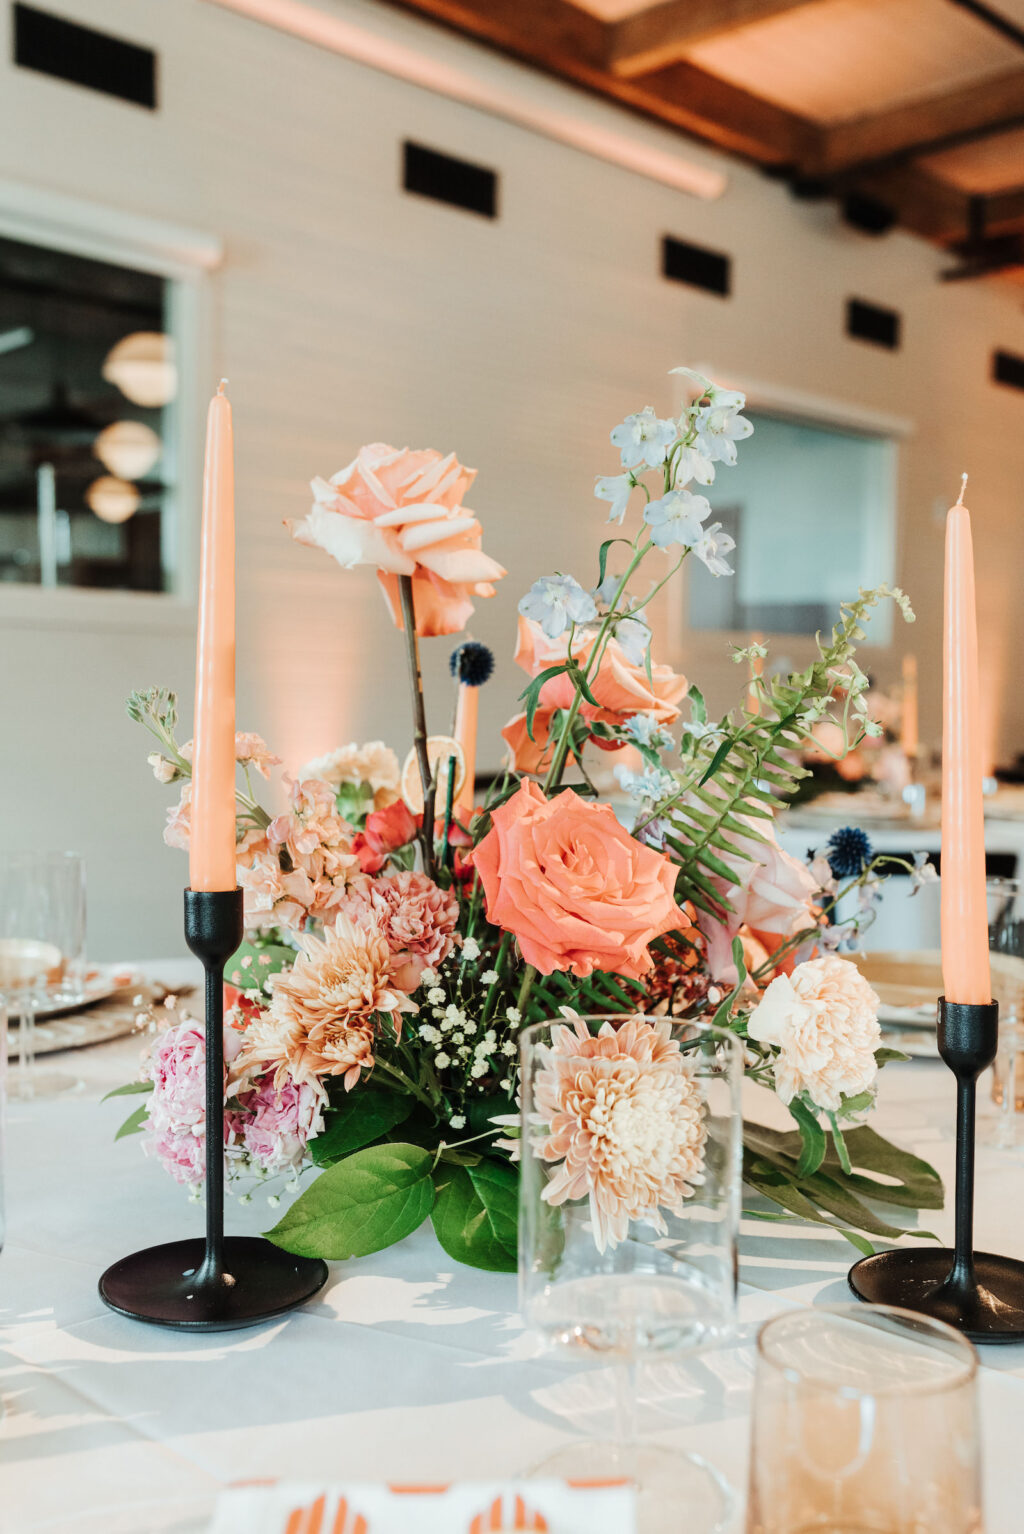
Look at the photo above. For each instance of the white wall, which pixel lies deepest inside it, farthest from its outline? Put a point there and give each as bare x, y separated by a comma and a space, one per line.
346, 311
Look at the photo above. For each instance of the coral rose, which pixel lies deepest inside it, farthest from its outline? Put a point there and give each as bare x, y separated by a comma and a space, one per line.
575, 889
625, 1118
824, 1021
620, 687
384, 832
402, 512
321, 1017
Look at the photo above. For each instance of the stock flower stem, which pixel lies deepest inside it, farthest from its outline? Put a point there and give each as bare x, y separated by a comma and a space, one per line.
561, 752
419, 714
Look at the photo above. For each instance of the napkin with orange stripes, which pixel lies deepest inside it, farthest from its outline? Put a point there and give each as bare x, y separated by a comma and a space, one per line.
481, 1507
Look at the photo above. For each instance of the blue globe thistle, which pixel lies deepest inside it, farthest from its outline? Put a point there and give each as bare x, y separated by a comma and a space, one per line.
471, 663
849, 852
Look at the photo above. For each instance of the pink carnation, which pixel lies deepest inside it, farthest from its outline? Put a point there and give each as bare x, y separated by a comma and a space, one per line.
274, 1125
176, 1065
416, 917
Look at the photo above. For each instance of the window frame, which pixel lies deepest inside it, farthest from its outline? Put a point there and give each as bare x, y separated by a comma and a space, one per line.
812, 410
184, 258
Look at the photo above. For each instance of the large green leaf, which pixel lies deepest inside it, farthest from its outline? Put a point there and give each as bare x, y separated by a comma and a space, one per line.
130, 1089
913, 1183
134, 1122
357, 1119
369, 1201
813, 1143
829, 1196
475, 1212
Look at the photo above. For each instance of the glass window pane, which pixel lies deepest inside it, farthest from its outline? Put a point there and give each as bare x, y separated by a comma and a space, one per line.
87, 389
811, 510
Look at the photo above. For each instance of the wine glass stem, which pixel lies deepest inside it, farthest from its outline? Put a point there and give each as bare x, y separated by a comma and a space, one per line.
626, 1415
26, 1045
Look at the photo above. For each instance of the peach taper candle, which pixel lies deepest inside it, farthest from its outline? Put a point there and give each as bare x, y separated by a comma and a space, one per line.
965, 961
212, 845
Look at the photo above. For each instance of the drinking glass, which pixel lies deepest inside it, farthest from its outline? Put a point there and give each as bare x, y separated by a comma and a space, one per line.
42, 951
864, 1422
1005, 899
629, 1210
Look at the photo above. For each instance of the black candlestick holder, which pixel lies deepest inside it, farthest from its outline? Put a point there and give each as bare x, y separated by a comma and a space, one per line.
222, 1282
980, 1294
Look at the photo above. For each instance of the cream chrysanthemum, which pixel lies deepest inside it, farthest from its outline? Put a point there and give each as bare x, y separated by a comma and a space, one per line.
321, 1017
824, 1021
373, 763
625, 1117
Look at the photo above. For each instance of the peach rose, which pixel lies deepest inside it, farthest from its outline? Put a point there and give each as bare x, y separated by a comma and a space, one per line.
402, 512
573, 886
823, 1019
620, 687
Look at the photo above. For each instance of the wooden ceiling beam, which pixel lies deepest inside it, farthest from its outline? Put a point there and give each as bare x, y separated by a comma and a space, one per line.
923, 203
565, 40
922, 127
731, 117
663, 33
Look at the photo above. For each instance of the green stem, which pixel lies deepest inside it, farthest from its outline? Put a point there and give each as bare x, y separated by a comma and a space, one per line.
498, 966
529, 976
419, 714
409, 1085
561, 752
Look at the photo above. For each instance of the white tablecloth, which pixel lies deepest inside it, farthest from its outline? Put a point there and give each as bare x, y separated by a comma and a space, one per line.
407, 1367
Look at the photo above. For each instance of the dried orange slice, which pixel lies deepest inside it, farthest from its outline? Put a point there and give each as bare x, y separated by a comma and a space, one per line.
440, 750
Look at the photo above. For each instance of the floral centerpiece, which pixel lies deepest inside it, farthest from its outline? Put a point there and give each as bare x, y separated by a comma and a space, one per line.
400, 934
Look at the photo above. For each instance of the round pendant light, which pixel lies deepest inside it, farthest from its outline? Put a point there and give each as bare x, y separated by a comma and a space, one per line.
112, 500
129, 449
143, 368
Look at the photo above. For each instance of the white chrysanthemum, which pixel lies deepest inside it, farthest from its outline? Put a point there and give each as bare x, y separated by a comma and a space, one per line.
373, 763
824, 1021
625, 1117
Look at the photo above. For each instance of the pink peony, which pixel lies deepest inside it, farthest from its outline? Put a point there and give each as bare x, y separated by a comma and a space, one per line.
625, 1120
176, 1065
416, 917
275, 1124
823, 1019
402, 512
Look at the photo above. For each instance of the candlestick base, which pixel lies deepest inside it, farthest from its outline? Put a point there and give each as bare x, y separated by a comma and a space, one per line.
166, 1285
991, 1311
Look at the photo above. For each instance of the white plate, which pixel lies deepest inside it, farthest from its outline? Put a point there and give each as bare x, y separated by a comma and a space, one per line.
101, 982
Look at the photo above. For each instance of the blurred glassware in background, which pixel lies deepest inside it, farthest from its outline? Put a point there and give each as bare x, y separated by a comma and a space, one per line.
42, 953
642, 1288
1006, 946
864, 1422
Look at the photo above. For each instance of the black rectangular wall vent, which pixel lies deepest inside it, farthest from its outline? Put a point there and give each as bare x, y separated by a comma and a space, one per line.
1007, 368
870, 322
696, 266
83, 56
429, 173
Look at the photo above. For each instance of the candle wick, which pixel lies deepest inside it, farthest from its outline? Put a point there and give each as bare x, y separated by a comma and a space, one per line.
221, 385
963, 488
